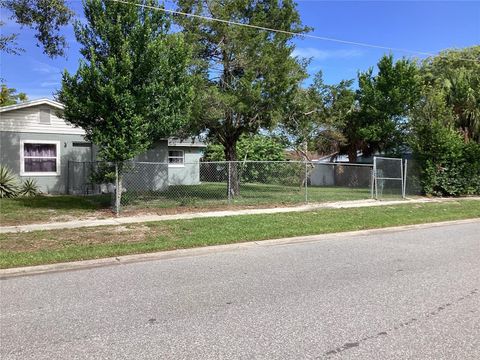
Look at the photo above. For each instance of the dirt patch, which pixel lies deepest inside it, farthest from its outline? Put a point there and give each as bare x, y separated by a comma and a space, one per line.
140, 211
53, 216
58, 239
94, 215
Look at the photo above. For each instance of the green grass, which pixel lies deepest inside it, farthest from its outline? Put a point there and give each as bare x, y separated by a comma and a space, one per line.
250, 194
207, 195
42, 247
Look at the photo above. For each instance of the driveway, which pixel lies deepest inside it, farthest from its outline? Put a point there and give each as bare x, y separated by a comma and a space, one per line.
411, 294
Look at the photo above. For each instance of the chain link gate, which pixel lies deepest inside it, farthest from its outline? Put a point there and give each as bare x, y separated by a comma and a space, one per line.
389, 176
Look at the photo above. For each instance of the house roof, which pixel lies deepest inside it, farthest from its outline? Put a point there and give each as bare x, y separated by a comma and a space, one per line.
190, 142
29, 103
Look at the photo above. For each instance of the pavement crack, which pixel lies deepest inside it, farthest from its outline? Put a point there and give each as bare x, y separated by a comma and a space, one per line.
439, 309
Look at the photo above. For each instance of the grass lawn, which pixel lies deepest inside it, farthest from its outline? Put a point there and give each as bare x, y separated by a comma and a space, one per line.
42, 247
250, 194
180, 198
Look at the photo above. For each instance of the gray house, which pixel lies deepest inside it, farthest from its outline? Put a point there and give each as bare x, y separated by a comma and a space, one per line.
36, 143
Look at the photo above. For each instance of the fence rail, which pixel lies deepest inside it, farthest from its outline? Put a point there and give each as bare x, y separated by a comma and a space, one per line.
240, 183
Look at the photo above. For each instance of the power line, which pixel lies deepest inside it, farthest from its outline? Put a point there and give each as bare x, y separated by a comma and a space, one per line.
311, 36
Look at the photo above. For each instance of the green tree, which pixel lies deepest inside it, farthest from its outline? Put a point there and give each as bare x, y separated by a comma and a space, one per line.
319, 117
304, 117
133, 85
9, 96
339, 108
372, 118
248, 73
252, 148
456, 74
46, 17
445, 125
384, 101
449, 165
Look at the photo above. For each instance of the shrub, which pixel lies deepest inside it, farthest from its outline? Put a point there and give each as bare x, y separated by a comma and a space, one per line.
29, 188
450, 166
8, 183
103, 174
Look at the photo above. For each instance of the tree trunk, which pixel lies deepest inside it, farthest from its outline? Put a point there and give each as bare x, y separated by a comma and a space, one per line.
230, 149
352, 154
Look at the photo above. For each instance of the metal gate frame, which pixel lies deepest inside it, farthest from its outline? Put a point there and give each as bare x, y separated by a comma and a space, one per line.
402, 178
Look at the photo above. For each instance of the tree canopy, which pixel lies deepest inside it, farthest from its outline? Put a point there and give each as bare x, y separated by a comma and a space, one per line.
133, 85
250, 148
248, 74
383, 102
444, 126
456, 75
45, 17
338, 118
9, 96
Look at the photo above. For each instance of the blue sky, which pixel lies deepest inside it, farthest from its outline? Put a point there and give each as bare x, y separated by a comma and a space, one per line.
426, 26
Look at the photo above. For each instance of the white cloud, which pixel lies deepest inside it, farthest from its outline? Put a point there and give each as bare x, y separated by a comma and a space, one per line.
44, 68
317, 54
49, 83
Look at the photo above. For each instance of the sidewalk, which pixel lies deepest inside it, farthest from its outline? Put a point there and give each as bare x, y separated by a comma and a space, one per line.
153, 218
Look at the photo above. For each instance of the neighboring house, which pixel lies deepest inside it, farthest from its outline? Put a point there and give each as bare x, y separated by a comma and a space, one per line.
35, 142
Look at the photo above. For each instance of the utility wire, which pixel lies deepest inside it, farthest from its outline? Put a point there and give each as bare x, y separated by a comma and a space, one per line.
311, 36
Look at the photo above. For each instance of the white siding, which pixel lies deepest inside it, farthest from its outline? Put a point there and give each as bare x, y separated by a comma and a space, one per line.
28, 120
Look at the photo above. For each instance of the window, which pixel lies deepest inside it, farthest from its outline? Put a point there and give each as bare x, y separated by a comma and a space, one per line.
175, 157
40, 157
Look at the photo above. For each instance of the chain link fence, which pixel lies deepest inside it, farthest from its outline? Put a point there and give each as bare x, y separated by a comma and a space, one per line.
412, 174
204, 184
249, 183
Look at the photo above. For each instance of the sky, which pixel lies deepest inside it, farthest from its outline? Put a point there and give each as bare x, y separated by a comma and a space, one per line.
423, 26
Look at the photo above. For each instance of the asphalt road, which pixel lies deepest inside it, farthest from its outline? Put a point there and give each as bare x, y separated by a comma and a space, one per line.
399, 295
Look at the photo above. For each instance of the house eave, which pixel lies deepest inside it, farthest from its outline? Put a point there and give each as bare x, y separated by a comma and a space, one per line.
30, 103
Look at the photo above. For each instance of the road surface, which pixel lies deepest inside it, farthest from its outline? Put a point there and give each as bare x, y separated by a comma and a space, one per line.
399, 295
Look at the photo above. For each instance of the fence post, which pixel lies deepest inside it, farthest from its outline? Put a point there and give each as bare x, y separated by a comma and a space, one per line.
372, 181
117, 193
404, 188
306, 183
229, 186
68, 177
375, 181
401, 177
84, 176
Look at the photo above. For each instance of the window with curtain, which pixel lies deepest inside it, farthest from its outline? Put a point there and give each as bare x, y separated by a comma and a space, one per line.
175, 157
40, 157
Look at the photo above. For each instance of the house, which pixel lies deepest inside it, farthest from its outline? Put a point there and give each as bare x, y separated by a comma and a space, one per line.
36, 143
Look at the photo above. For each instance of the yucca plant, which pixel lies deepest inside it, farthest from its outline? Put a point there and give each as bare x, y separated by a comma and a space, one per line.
8, 183
29, 188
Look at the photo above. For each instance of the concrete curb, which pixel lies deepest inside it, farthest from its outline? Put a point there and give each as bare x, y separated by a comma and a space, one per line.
202, 251
154, 218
